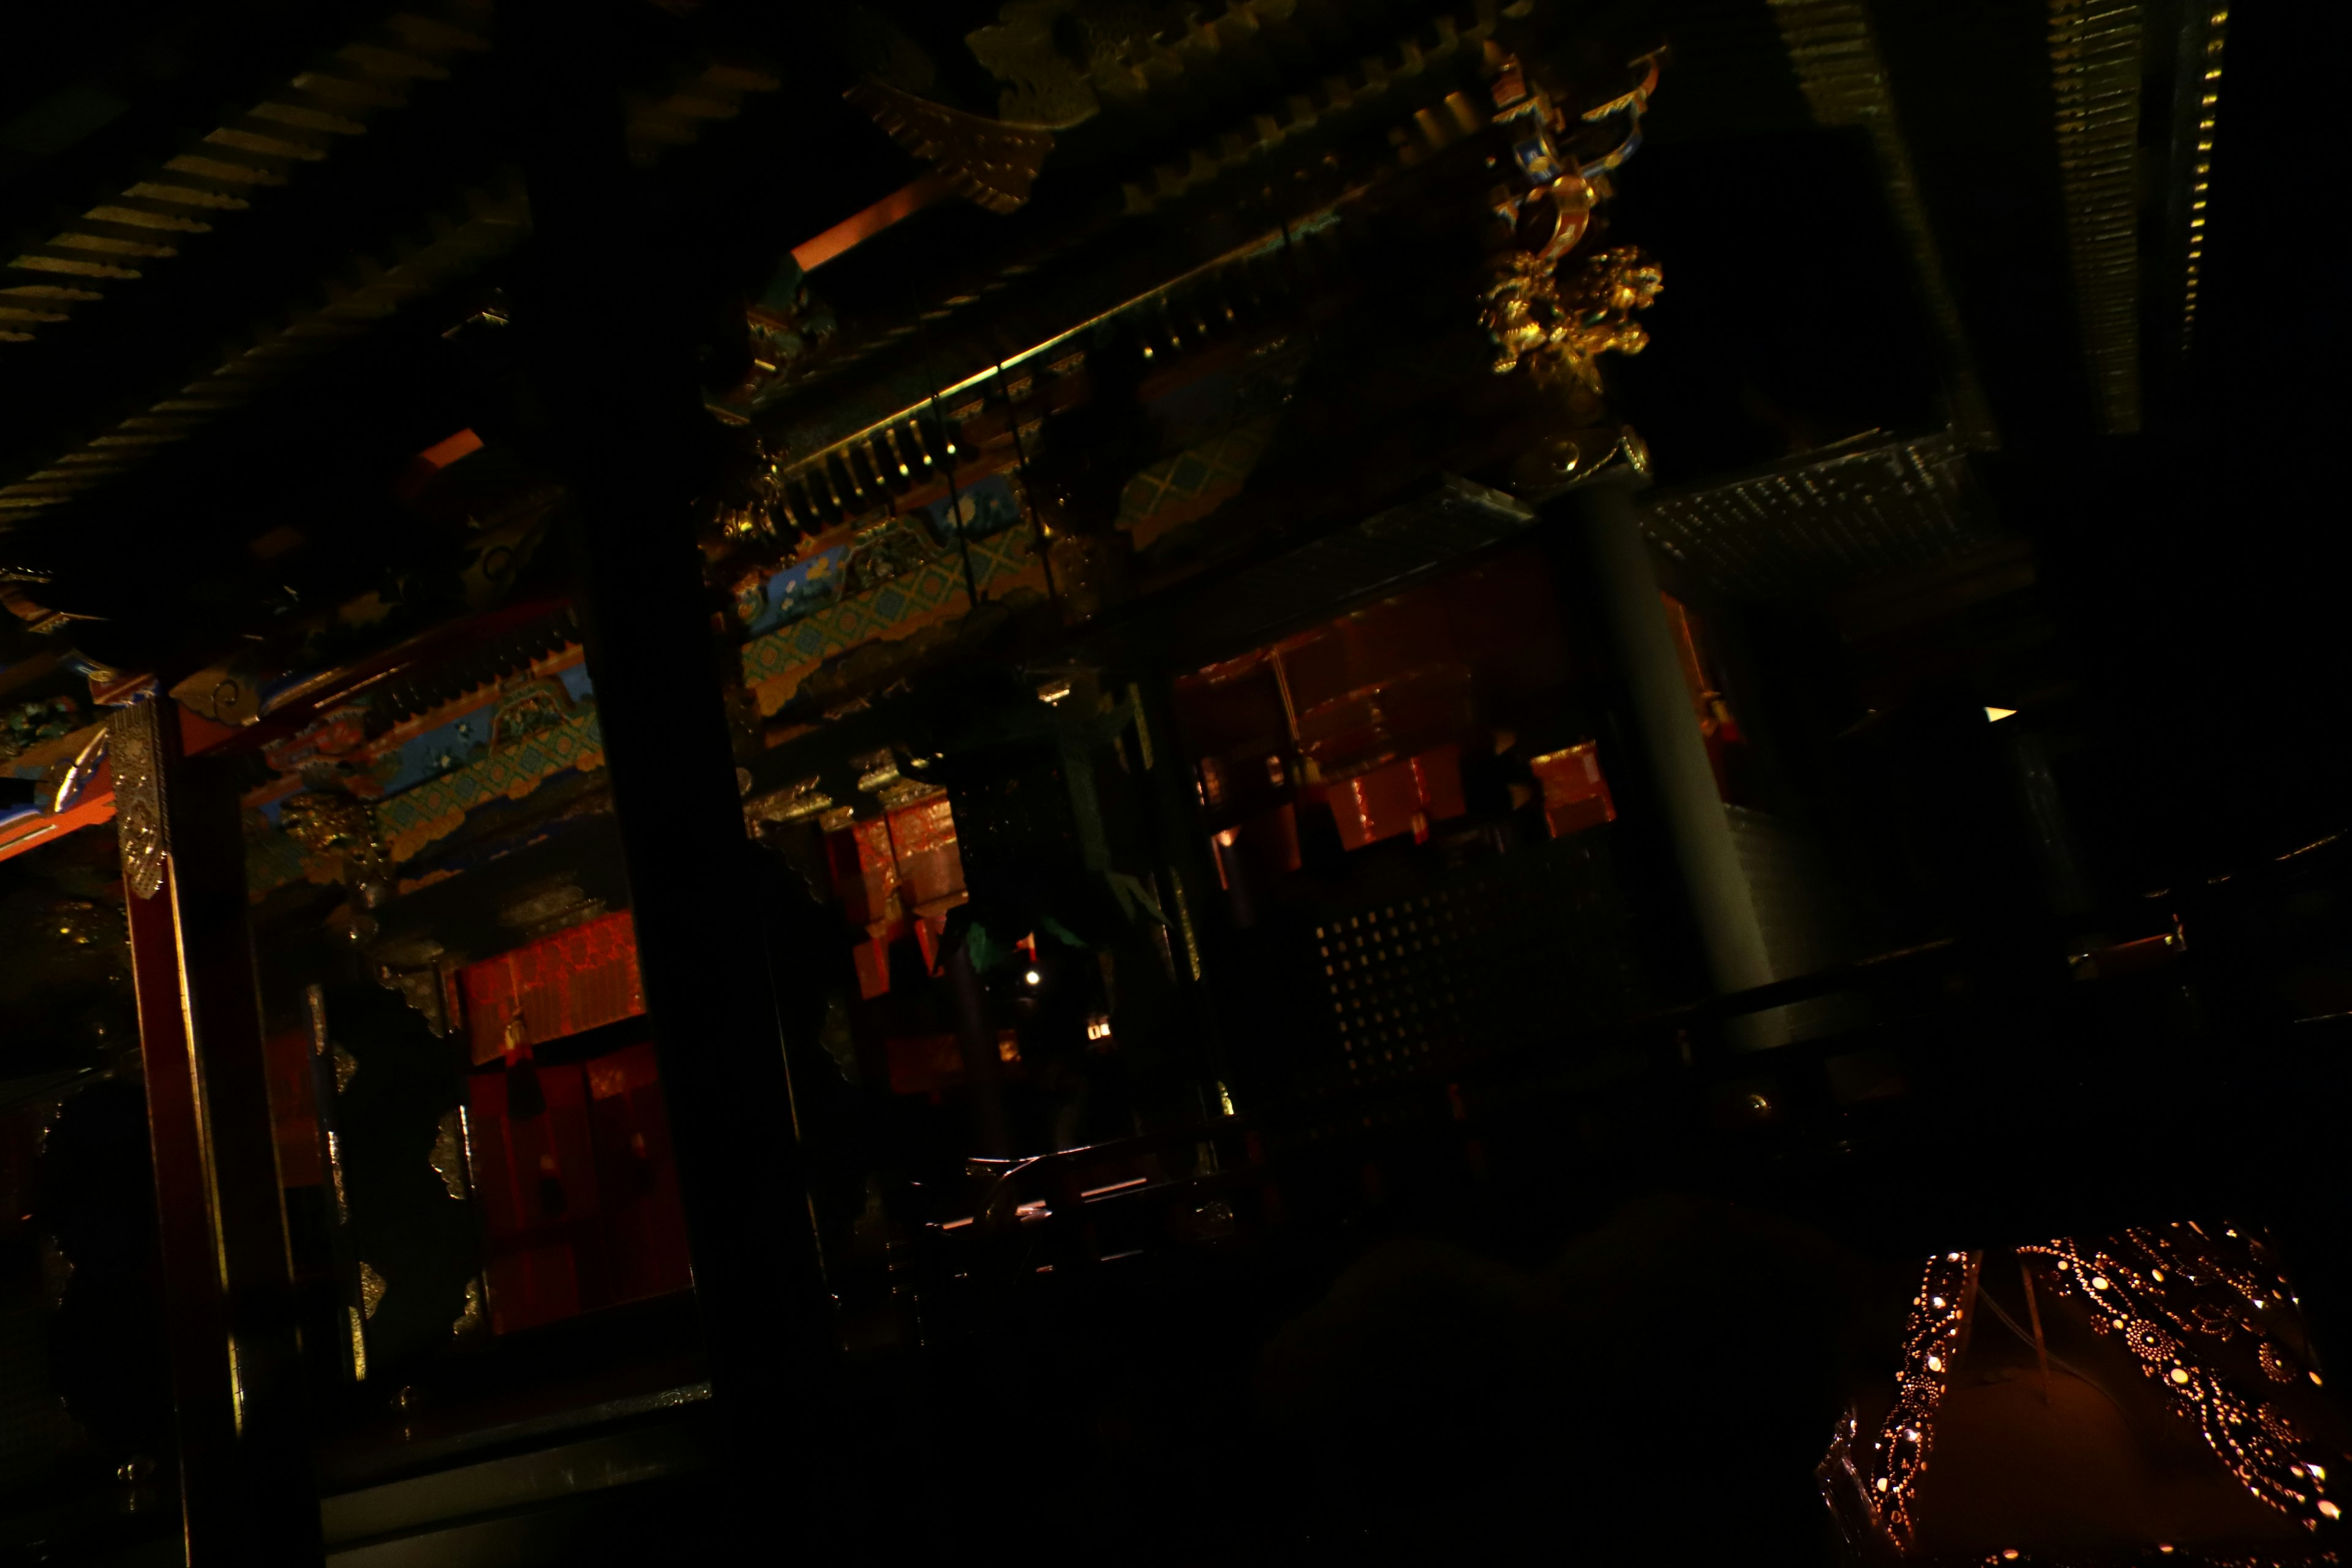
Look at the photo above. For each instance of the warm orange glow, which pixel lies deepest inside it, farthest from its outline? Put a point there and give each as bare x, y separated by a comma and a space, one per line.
811, 254
97, 805
432, 459
1114, 1187
449, 448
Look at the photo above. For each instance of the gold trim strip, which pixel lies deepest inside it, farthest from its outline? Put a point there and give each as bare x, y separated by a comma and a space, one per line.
2204, 79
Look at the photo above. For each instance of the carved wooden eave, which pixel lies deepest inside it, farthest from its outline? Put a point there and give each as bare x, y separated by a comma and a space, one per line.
866, 420
987, 162
201, 194
177, 203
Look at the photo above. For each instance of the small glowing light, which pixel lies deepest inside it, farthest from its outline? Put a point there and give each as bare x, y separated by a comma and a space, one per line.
904, 470
2157, 1274
2009, 1556
2099, 1281
2165, 1547
2329, 1510
1099, 1027
2318, 1472
1935, 1364
2315, 1380
1033, 978
1994, 716
2180, 1375
1934, 1301
1882, 1483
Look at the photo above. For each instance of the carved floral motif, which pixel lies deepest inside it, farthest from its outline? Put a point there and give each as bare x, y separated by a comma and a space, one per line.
134, 749
1556, 327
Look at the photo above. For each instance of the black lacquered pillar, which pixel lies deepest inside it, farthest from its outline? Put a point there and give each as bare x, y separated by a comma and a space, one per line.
610, 307
236, 1375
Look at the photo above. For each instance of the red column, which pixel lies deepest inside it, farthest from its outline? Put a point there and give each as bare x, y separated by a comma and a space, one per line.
236, 1386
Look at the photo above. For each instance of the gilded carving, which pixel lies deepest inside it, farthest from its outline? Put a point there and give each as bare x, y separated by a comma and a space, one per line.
542, 908
421, 988
448, 1157
469, 1322
372, 1289
134, 749
795, 803
1550, 327
335, 1170
412, 970
1557, 327
986, 161
325, 823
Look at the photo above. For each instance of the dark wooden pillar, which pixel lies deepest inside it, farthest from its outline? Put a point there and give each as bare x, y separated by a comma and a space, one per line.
237, 1393
610, 308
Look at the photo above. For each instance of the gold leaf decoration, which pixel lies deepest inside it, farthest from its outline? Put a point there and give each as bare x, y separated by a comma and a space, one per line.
450, 1153
1558, 326
134, 747
469, 1322
325, 823
371, 1289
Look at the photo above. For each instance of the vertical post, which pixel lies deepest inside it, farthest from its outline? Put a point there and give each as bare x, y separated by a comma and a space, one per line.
1673, 754
611, 311
981, 1068
245, 1491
